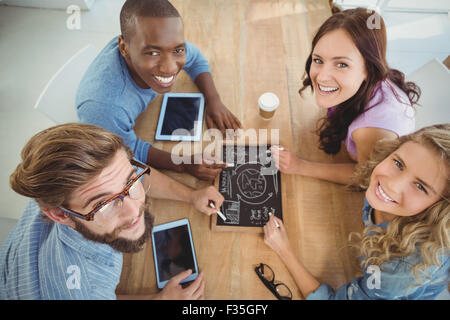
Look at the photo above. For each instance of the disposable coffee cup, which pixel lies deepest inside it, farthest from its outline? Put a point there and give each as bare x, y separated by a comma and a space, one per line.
268, 103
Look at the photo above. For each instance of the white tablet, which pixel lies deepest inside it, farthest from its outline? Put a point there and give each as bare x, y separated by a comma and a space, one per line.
181, 117
173, 251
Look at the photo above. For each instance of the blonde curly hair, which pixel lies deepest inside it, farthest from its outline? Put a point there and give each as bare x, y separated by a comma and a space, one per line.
428, 229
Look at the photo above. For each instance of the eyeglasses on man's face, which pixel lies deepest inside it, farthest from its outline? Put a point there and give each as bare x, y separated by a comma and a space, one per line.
105, 210
267, 276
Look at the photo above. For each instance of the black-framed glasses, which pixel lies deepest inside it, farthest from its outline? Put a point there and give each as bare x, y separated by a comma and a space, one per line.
267, 276
107, 208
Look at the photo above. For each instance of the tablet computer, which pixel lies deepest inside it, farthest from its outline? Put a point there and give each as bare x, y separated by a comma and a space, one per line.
181, 117
173, 251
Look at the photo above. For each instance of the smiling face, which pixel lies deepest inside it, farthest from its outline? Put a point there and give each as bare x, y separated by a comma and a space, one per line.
408, 181
337, 69
155, 54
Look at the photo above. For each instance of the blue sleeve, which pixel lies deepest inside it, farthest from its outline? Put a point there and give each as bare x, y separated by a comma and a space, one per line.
392, 281
196, 63
353, 290
116, 120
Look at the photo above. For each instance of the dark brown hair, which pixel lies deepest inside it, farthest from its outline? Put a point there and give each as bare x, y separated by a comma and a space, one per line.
60, 159
143, 8
370, 39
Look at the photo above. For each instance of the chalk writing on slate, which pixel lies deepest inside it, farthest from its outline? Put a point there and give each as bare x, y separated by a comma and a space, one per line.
251, 188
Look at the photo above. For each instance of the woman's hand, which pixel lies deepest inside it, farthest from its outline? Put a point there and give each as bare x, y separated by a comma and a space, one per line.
276, 237
286, 161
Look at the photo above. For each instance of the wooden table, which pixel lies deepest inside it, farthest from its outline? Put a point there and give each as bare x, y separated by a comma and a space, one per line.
254, 46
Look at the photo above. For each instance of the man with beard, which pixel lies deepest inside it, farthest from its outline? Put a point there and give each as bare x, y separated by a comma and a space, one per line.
88, 206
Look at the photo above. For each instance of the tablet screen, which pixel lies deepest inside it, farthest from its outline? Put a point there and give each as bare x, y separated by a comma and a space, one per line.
181, 113
173, 252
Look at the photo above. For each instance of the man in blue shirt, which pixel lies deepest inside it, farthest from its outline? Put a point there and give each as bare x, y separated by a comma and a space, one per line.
135, 67
88, 206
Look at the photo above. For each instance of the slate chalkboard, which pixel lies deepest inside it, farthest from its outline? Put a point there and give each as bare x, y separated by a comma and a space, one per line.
252, 188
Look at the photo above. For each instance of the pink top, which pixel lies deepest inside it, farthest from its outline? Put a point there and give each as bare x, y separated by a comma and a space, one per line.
389, 114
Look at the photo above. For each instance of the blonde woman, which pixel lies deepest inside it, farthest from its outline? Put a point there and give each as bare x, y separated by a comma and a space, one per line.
405, 245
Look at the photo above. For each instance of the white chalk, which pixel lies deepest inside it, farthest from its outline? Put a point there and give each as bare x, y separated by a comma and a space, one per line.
279, 148
218, 212
274, 220
276, 223
230, 165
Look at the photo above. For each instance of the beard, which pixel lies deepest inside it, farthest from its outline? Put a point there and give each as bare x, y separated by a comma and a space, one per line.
113, 240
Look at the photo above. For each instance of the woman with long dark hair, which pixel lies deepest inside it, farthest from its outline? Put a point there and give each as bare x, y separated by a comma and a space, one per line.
365, 99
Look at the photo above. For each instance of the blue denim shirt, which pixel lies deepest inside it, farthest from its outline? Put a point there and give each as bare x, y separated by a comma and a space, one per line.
395, 280
41, 260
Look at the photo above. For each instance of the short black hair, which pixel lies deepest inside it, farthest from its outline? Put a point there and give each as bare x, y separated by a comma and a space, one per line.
143, 8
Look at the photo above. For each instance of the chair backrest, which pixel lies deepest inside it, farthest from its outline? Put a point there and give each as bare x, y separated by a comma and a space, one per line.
433, 78
6, 225
57, 100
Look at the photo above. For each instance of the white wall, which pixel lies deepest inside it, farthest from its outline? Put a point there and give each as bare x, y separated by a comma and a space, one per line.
34, 44
50, 4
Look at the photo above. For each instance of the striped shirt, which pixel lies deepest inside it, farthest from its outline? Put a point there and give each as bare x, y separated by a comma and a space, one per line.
41, 260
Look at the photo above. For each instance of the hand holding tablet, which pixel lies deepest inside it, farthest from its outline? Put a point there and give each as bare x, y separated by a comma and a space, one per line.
173, 291
173, 251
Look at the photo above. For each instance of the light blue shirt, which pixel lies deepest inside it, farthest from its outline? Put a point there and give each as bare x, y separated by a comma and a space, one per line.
109, 98
396, 280
41, 260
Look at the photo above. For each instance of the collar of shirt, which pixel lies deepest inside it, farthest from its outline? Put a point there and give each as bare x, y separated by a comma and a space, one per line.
99, 252
367, 216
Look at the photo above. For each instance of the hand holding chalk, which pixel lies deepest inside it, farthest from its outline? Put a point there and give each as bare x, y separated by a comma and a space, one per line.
276, 238
218, 212
279, 149
287, 162
274, 220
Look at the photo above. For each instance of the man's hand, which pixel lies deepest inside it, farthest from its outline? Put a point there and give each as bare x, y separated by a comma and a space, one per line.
203, 171
174, 291
218, 116
207, 170
200, 199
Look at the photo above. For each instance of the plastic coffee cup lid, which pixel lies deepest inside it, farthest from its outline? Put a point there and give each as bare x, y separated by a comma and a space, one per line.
268, 101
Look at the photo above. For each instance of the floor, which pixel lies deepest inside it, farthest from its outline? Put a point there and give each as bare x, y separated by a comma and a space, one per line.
36, 42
